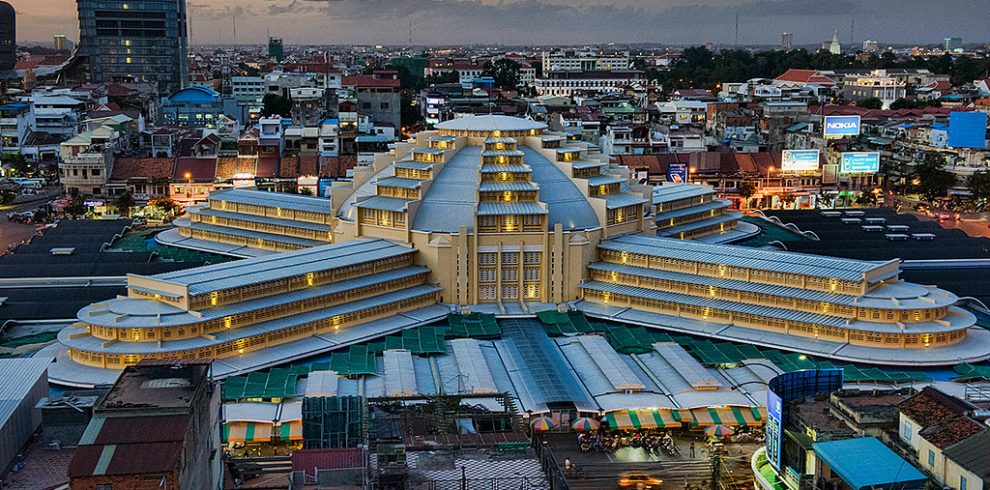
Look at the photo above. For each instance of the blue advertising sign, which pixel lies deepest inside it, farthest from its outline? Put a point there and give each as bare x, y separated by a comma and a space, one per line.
860, 162
799, 160
773, 429
841, 126
968, 130
677, 173
323, 187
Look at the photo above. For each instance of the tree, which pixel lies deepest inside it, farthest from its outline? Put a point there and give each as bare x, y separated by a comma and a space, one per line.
123, 203
7, 197
504, 71
166, 204
18, 164
746, 189
78, 206
447, 77
979, 185
931, 179
870, 103
276, 105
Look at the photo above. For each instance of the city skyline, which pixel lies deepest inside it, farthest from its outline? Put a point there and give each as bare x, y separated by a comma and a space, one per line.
545, 21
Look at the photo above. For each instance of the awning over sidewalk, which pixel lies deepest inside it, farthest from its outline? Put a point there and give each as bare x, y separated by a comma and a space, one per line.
249, 432
696, 417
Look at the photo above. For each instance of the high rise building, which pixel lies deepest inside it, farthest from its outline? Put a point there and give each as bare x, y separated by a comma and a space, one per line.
135, 41
58, 40
787, 41
8, 36
276, 49
871, 46
953, 44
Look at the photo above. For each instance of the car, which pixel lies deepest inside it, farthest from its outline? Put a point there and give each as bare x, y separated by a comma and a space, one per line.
635, 479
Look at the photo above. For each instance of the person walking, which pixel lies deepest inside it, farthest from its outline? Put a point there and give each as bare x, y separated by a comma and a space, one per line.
692, 449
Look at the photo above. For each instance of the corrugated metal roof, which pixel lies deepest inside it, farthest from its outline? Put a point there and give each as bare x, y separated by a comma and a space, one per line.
413, 165
605, 180
744, 257
700, 208
621, 200
566, 203
502, 153
505, 208
686, 366
684, 299
580, 164
296, 202
400, 376
726, 216
473, 371
290, 223
675, 192
449, 203
252, 234
77, 336
131, 430
322, 383
125, 459
399, 182
507, 186
510, 168
611, 365
384, 203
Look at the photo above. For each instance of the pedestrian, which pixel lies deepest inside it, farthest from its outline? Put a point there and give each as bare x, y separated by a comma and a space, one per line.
692, 449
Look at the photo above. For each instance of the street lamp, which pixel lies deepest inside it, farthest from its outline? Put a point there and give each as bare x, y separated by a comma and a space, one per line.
188, 176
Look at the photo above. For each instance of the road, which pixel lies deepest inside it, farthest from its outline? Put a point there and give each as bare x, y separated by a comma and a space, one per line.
12, 233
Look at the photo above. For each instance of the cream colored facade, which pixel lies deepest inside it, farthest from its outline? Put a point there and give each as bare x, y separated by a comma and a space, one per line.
512, 250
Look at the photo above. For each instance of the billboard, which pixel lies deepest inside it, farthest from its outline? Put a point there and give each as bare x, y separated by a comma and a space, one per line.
867, 162
773, 429
841, 126
323, 187
968, 129
799, 160
677, 173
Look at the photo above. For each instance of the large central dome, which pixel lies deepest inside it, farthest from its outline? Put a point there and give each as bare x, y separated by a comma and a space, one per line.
491, 123
492, 174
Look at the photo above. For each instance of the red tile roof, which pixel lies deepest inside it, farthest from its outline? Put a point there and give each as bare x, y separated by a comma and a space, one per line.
200, 169
931, 406
266, 167
336, 166
143, 168
951, 431
228, 166
309, 460
804, 76
368, 81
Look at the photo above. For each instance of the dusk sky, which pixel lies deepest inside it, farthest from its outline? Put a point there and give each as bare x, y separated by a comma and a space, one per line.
551, 21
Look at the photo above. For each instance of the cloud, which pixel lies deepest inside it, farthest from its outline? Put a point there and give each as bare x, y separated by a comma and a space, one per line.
542, 22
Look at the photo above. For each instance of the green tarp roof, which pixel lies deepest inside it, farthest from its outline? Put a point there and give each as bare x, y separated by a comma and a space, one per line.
474, 325
275, 383
972, 371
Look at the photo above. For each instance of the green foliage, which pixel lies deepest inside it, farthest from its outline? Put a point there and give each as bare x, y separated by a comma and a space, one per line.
167, 205
914, 104
276, 105
870, 103
699, 67
979, 185
78, 206
931, 178
449, 77
123, 203
746, 189
17, 163
504, 71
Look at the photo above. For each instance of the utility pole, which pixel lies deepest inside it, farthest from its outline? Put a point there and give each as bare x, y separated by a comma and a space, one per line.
410, 33
852, 31
233, 19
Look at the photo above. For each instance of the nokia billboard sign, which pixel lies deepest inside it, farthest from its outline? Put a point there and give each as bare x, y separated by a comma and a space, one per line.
841, 126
